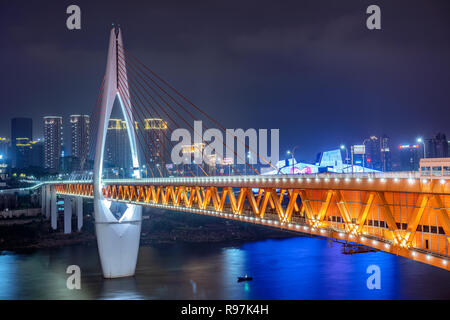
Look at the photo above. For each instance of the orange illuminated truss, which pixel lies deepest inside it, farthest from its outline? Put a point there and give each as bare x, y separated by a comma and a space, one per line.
403, 216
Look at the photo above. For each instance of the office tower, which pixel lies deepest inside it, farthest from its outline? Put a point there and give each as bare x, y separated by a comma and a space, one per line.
21, 128
386, 157
373, 153
21, 135
4, 152
80, 127
4, 149
155, 135
37, 153
437, 147
22, 150
409, 157
117, 147
53, 140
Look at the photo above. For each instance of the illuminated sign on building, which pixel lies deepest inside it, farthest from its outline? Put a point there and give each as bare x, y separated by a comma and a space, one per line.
359, 149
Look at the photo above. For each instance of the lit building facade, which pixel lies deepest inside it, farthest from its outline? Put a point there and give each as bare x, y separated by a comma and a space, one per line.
4, 157
155, 134
117, 146
386, 155
22, 152
437, 147
53, 141
373, 153
37, 153
409, 157
21, 136
377, 153
80, 128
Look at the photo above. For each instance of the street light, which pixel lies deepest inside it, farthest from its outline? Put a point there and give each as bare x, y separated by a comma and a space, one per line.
343, 147
420, 140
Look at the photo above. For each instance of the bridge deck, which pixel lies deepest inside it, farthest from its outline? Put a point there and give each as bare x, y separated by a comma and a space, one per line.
405, 216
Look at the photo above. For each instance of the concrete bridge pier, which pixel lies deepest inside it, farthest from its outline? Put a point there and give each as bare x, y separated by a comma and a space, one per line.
53, 208
79, 210
45, 201
67, 215
118, 240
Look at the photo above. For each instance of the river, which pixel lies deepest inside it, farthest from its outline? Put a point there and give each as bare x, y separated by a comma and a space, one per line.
291, 268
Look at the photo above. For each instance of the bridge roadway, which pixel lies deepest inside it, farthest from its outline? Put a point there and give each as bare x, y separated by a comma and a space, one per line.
401, 214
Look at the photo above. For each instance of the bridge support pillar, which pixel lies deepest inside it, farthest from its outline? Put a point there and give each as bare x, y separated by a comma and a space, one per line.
118, 240
79, 208
67, 215
53, 208
43, 200
117, 237
47, 202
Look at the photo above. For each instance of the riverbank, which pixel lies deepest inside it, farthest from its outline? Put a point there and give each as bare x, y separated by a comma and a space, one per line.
158, 227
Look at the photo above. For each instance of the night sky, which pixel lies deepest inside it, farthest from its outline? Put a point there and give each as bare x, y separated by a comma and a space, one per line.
310, 68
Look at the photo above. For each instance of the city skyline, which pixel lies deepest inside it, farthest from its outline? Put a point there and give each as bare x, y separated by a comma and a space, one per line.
67, 144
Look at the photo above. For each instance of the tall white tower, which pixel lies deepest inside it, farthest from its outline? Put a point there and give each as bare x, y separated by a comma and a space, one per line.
117, 238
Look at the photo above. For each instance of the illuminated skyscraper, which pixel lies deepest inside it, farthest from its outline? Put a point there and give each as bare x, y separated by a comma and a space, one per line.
22, 152
373, 153
154, 130
4, 146
386, 158
21, 136
53, 140
4, 153
117, 146
21, 128
409, 157
437, 147
80, 126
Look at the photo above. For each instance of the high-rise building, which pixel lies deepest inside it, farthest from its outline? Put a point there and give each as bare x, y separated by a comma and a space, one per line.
437, 147
53, 140
386, 158
80, 138
117, 146
154, 130
377, 153
4, 151
4, 148
21, 135
37, 153
21, 128
22, 153
373, 153
409, 157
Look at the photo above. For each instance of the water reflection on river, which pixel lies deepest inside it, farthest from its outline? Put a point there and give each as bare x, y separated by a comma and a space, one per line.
293, 268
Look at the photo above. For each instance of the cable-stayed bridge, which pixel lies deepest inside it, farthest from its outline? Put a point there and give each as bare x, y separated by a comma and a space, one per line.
401, 214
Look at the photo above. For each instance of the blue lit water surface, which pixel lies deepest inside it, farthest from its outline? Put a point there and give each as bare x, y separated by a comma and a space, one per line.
292, 268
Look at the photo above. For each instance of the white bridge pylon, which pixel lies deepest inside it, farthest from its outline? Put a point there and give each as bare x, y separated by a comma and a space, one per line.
117, 238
